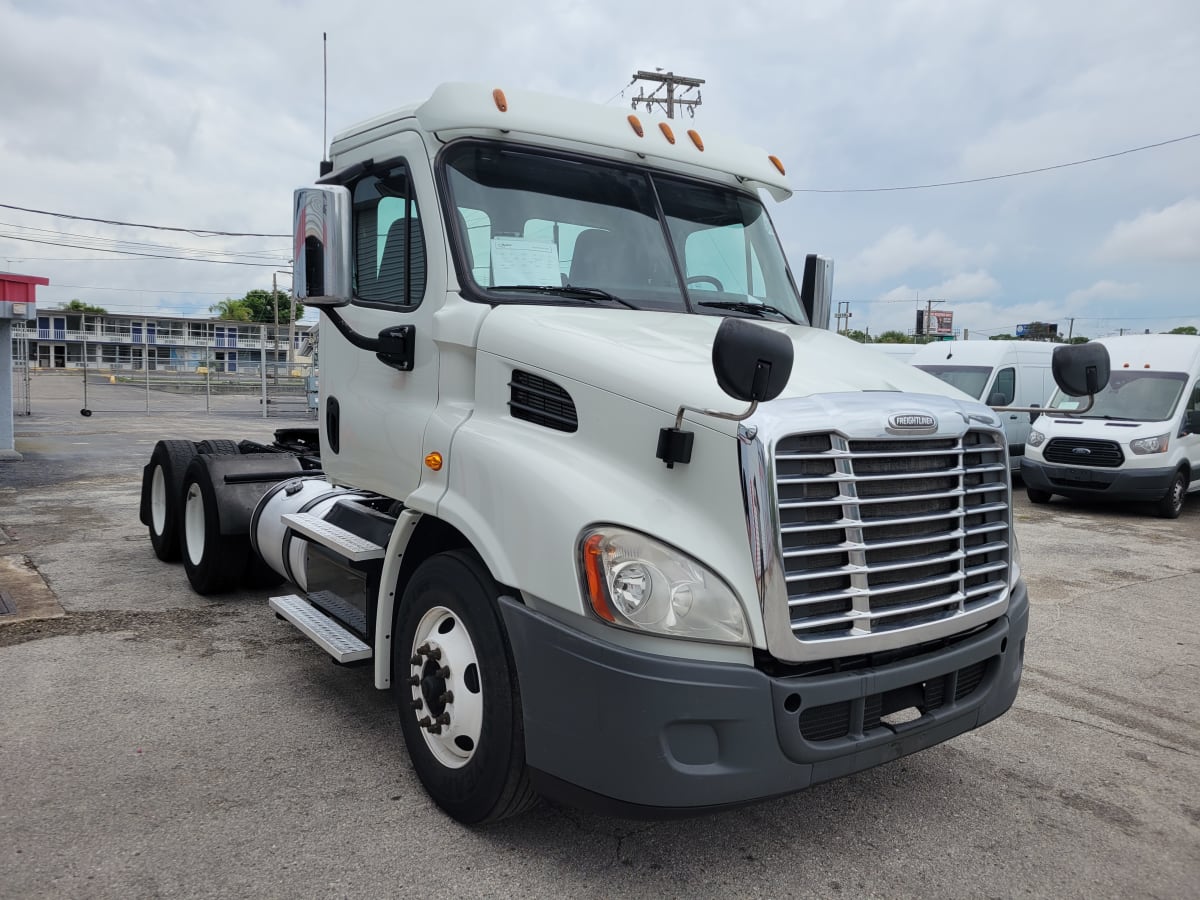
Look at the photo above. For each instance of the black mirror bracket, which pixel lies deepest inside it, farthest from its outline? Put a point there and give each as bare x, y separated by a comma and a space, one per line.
394, 347
675, 444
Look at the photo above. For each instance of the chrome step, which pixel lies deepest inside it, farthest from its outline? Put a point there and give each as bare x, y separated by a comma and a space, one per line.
344, 542
320, 629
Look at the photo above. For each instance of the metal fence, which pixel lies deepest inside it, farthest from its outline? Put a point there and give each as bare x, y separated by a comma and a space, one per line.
280, 391
20, 376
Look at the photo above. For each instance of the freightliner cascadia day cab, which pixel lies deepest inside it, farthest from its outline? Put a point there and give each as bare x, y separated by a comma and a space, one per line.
1001, 374
613, 522
1140, 441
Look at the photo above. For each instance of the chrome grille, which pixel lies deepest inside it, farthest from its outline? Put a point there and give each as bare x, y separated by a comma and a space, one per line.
887, 534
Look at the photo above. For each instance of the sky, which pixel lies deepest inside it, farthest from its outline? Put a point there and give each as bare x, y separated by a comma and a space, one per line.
207, 116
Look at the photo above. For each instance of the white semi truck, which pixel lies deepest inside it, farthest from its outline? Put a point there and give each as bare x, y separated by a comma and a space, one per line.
599, 505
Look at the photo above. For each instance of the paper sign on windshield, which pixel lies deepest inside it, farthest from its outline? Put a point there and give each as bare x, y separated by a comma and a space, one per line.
520, 261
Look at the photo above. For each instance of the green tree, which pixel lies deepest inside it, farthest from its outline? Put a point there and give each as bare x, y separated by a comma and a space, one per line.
855, 335
1078, 339
232, 310
80, 306
893, 337
1003, 337
258, 306
1183, 329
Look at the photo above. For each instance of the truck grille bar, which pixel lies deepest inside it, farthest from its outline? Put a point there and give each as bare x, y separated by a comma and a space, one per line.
880, 542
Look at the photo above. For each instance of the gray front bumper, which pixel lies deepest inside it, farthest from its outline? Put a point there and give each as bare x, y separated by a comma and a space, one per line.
640, 734
1109, 484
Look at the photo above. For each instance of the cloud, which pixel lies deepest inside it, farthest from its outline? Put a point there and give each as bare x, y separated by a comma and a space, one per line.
1103, 290
903, 250
1168, 235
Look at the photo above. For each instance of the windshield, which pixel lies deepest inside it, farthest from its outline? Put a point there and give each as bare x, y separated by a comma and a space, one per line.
968, 379
1137, 396
535, 226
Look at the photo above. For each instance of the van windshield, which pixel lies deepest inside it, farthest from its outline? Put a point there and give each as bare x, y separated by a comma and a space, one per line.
537, 226
968, 379
1136, 396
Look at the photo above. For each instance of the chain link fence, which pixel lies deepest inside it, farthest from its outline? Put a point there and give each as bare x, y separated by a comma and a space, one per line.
20, 376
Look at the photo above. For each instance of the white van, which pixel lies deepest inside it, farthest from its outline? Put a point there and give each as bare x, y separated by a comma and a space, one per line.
1000, 373
1141, 439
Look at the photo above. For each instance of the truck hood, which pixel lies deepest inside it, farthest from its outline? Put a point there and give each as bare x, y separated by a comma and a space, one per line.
665, 359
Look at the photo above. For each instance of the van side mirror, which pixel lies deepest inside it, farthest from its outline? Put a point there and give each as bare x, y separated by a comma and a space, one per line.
1034, 412
1080, 370
321, 245
752, 363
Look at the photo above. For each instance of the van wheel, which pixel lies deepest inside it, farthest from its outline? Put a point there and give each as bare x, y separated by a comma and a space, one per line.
214, 562
162, 486
456, 686
1171, 504
1037, 496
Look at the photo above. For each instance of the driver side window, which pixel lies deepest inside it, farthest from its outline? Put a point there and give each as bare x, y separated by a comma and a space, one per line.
389, 248
1004, 391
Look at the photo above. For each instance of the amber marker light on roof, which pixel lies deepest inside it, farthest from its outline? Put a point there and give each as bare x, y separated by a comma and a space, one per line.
695, 136
667, 132
501, 100
434, 461
636, 124
777, 164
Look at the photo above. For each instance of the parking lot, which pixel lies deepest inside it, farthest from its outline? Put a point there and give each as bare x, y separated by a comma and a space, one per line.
158, 743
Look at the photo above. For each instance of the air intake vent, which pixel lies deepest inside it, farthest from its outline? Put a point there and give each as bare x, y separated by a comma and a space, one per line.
534, 399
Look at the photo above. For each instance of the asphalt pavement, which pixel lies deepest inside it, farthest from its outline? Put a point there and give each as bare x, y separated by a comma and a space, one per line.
155, 743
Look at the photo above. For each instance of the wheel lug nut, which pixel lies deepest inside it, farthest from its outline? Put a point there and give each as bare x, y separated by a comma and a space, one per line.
414, 680
444, 672
447, 697
443, 719
417, 704
414, 660
423, 649
435, 729
425, 722
435, 654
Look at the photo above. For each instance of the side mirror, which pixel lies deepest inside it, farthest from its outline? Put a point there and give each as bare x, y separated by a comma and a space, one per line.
321, 245
752, 363
1191, 421
816, 290
1034, 415
1080, 369
996, 399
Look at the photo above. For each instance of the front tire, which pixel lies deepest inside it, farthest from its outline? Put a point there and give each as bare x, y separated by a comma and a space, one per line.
1171, 504
456, 686
214, 562
1036, 495
162, 486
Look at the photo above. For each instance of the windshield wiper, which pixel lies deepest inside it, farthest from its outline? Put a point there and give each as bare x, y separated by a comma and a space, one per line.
568, 290
746, 307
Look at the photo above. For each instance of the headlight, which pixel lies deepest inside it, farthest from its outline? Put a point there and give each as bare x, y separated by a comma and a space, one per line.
637, 582
1036, 438
1156, 444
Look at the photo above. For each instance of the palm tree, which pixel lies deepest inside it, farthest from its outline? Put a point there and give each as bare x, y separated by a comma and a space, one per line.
232, 310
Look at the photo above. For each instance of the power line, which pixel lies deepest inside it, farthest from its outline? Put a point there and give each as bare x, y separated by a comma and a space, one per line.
1066, 165
199, 232
227, 262
121, 244
669, 81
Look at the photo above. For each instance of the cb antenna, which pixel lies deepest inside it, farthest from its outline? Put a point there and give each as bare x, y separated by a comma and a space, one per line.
326, 165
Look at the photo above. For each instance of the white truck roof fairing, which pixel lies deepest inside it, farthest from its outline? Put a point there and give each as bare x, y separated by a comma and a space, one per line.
460, 109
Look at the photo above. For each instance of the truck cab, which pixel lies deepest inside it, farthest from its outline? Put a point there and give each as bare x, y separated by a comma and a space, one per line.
610, 518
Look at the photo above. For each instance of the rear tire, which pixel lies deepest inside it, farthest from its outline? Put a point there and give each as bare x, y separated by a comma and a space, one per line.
1171, 504
217, 446
462, 717
162, 488
214, 562
1037, 496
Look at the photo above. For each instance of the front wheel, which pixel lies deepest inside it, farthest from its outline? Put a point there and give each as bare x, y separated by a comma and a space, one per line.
456, 686
1037, 496
1171, 504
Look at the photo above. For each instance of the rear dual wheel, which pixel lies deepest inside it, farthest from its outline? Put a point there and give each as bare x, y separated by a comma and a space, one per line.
214, 562
162, 486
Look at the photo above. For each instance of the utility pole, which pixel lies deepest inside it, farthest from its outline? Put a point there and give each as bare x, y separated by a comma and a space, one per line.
840, 316
275, 335
1070, 329
669, 81
928, 317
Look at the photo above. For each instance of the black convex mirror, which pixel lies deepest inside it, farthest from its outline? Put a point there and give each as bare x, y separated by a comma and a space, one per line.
321, 245
752, 363
1080, 370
